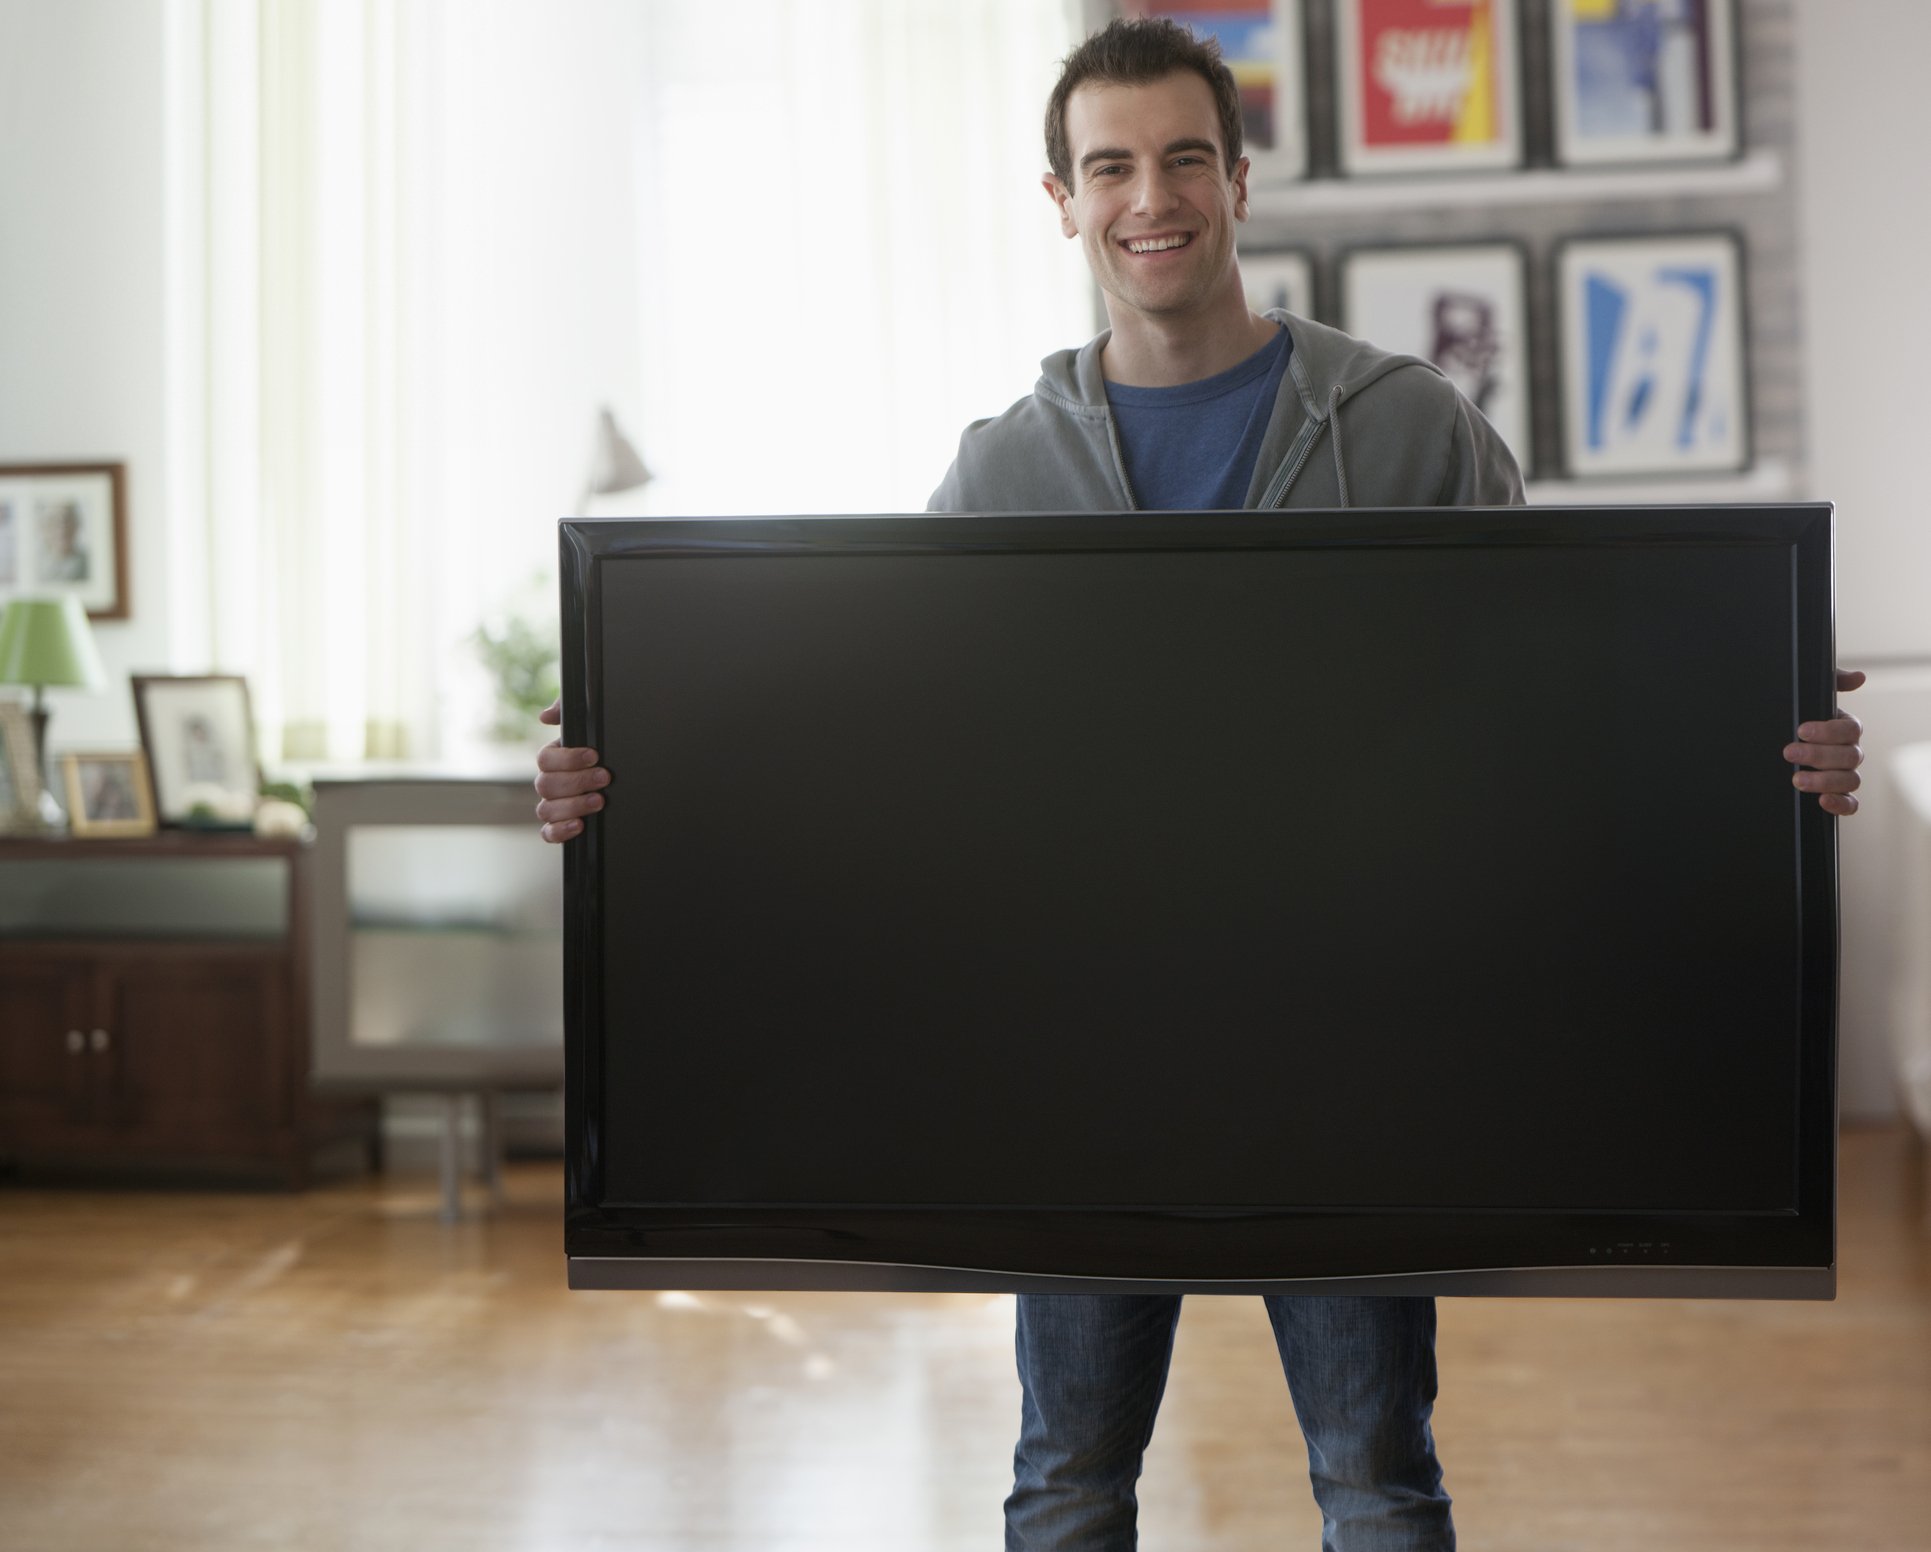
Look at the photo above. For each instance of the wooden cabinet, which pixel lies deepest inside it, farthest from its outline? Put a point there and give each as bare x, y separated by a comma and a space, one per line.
153, 1006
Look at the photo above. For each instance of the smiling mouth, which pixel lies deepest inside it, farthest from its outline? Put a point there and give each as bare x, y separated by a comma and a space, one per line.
1157, 244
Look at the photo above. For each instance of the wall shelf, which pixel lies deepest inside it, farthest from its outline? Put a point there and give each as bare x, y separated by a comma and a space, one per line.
1770, 480
1760, 172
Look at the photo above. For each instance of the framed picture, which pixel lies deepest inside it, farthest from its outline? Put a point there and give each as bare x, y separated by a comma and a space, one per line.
1283, 278
199, 736
108, 794
1653, 369
1427, 85
63, 529
19, 770
1261, 42
1644, 80
1462, 306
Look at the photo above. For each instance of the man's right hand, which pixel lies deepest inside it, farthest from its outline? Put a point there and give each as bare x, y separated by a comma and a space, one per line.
568, 782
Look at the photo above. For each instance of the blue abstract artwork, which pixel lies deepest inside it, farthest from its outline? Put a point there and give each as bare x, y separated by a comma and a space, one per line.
1655, 359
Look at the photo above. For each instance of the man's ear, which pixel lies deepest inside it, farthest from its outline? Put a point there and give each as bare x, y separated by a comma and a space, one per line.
1240, 189
1061, 196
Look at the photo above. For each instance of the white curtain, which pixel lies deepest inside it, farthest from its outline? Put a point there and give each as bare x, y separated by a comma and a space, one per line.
416, 244
850, 253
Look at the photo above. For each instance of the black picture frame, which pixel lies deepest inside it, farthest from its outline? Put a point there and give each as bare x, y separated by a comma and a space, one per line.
198, 733
1730, 346
1712, 69
1517, 428
1780, 1251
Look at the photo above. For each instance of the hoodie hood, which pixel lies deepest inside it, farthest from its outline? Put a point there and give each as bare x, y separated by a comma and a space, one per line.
1057, 450
1322, 360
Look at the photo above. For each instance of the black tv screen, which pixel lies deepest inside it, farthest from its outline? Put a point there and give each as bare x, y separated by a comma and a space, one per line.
1374, 901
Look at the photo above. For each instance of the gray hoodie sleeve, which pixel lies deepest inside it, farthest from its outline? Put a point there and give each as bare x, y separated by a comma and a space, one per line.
1480, 471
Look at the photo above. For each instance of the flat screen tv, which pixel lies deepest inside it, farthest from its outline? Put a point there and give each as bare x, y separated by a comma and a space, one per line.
1309, 902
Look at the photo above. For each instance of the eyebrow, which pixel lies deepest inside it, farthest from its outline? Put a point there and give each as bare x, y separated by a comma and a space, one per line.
1171, 148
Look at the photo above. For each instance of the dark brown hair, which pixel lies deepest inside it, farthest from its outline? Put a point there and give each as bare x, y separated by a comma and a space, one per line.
1131, 52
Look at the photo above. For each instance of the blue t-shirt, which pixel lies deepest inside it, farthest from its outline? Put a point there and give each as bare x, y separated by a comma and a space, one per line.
1192, 448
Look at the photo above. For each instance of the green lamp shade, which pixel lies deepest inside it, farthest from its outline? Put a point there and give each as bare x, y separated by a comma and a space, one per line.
46, 641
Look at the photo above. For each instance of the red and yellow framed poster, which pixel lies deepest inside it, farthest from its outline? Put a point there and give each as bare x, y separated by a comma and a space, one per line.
1427, 85
1260, 41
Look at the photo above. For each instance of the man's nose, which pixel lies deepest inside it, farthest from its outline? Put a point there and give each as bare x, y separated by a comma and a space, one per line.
1153, 192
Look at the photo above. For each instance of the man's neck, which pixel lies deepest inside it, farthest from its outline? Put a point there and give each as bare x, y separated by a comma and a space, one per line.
1164, 351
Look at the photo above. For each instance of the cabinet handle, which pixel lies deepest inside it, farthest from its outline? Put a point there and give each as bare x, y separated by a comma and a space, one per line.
76, 1041
100, 1040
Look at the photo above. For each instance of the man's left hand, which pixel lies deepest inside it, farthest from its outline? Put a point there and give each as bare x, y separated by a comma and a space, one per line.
1828, 756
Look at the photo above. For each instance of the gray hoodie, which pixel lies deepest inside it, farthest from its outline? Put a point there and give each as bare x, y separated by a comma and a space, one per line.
1352, 426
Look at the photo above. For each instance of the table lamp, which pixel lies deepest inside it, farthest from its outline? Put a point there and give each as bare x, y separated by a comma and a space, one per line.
43, 642
615, 465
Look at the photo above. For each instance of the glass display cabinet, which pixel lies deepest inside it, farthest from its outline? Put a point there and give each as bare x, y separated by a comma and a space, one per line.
438, 947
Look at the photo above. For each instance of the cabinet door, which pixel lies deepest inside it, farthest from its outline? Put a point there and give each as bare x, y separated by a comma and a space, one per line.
194, 1051
44, 1007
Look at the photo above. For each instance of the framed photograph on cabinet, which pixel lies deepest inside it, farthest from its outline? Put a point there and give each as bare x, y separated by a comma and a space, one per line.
1644, 80
1654, 376
1427, 85
1463, 306
108, 794
1283, 278
19, 770
199, 737
63, 529
1261, 42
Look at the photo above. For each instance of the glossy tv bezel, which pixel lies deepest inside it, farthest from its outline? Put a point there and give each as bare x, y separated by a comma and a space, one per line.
1049, 1248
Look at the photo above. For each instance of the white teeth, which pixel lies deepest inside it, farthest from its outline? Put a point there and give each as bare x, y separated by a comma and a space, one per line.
1159, 245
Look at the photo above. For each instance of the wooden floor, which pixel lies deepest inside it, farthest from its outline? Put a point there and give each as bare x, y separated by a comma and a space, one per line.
341, 1371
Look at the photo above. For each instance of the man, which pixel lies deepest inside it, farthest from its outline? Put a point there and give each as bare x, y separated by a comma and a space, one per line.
1191, 402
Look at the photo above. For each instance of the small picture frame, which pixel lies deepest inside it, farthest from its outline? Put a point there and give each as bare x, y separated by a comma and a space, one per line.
1426, 86
1654, 376
19, 770
1282, 278
108, 794
1261, 43
199, 736
1463, 306
1649, 82
63, 529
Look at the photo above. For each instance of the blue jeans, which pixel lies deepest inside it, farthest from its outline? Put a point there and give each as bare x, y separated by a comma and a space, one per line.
1093, 1368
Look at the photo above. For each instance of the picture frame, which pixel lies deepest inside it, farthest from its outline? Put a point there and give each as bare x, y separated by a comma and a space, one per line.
20, 781
198, 733
1280, 277
1426, 86
63, 529
1654, 377
109, 793
1262, 42
1463, 306
1657, 83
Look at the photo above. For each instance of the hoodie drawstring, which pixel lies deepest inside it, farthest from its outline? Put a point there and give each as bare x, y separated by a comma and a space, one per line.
1334, 435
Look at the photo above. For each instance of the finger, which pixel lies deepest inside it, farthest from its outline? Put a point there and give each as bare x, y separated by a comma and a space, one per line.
1838, 805
554, 756
562, 830
1839, 730
553, 713
1850, 678
1827, 781
553, 785
1828, 757
555, 810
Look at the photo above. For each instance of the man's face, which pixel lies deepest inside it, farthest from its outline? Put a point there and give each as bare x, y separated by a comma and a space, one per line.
1151, 200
